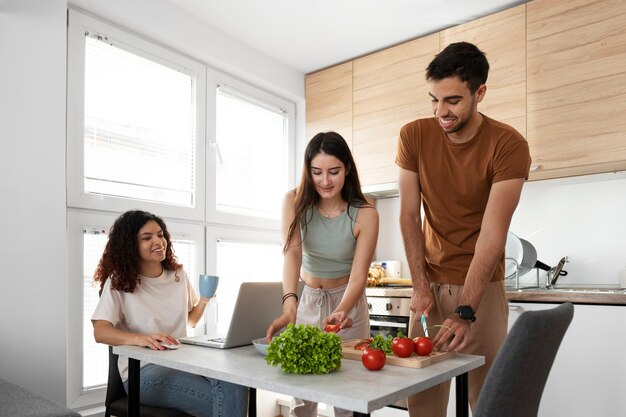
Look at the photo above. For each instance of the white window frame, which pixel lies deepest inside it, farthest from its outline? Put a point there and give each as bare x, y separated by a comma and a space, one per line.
203, 222
76, 197
215, 79
76, 221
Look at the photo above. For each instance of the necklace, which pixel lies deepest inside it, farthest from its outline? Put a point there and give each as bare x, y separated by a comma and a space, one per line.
336, 211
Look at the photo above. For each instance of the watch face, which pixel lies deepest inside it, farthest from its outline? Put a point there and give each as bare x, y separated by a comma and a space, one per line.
466, 312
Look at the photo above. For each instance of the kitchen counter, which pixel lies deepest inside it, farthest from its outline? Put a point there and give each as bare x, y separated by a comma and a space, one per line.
574, 295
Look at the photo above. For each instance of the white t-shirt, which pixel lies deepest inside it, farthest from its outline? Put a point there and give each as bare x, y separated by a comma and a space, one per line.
158, 304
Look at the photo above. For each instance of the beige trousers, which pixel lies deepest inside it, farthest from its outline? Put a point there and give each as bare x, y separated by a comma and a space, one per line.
488, 333
315, 305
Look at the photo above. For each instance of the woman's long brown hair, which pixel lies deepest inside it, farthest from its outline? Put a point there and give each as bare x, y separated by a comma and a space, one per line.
330, 143
120, 259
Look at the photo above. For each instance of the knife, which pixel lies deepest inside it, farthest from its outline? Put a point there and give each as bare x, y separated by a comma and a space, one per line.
424, 325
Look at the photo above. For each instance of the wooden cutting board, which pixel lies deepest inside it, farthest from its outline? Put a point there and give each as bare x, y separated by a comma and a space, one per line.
414, 361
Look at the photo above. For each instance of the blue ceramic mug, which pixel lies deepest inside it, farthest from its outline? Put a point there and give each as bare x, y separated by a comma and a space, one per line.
208, 285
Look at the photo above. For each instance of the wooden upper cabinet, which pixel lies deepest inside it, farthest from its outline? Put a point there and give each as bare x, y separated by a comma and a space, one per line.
329, 101
502, 37
389, 91
576, 86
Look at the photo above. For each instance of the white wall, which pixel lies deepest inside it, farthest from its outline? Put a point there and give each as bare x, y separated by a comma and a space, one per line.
34, 282
33, 286
579, 217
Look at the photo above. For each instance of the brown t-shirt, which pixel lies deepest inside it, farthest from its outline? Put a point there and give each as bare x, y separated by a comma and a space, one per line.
455, 181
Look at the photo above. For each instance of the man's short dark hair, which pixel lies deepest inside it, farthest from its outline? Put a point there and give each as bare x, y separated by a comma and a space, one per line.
461, 59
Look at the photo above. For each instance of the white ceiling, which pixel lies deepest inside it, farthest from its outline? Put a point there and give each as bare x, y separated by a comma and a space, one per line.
308, 35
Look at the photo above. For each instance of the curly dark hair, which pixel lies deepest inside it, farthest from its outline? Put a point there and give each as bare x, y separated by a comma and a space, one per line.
463, 60
330, 143
120, 259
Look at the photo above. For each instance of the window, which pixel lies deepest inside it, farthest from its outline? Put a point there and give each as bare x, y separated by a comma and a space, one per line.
252, 139
154, 126
135, 123
264, 262
152, 129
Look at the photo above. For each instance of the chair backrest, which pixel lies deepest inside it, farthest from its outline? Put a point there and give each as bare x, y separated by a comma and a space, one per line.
515, 382
116, 400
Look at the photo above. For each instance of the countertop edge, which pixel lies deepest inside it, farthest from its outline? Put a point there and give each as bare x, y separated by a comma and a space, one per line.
542, 296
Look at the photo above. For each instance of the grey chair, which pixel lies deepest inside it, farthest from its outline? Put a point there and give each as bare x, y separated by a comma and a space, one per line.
116, 401
515, 382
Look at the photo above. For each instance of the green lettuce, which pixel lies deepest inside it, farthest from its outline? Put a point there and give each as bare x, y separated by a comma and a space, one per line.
305, 349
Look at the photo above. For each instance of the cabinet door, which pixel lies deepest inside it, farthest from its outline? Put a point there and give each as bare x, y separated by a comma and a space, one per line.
587, 377
329, 101
389, 91
576, 86
502, 37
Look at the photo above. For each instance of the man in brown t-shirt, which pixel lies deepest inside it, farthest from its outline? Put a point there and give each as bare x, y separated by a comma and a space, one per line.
468, 171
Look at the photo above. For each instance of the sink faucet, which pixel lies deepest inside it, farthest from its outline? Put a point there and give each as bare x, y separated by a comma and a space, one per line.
555, 272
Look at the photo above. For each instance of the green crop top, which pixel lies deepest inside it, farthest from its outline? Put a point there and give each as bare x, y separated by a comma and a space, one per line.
329, 244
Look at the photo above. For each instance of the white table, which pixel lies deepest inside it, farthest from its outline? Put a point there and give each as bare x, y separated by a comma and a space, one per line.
352, 387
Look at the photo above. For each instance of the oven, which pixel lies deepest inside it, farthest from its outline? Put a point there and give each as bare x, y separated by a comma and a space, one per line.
388, 315
389, 312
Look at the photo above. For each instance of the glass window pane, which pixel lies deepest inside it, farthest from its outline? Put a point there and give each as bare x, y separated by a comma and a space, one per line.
96, 355
263, 262
252, 138
140, 119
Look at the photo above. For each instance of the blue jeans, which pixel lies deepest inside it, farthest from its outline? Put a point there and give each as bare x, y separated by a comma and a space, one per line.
194, 394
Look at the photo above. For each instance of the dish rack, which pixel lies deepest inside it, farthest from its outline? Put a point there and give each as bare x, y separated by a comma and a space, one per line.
515, 278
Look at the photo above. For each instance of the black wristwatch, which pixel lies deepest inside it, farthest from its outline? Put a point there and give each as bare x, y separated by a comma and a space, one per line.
466, 313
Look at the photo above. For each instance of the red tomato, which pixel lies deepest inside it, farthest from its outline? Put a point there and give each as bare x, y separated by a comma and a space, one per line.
363, 344
373, 359
402, 347
331, 328
423, 346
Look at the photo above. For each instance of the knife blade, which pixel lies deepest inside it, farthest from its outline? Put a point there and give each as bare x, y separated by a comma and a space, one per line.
424, 325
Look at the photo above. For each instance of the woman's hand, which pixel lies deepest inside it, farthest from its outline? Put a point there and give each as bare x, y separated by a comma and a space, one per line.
282, 321
154, 341
340, 318
105, 332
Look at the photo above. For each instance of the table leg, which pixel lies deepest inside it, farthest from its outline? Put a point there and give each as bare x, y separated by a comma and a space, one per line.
462, 398
252, 403
133, 387
355, 414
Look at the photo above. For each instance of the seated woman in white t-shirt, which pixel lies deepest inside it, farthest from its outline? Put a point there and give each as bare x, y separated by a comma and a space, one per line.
146, 299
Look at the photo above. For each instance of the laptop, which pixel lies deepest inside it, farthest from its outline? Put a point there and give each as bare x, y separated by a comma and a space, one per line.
257, 305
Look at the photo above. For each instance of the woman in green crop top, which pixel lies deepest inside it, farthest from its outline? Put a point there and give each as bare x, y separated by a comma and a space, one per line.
330, 233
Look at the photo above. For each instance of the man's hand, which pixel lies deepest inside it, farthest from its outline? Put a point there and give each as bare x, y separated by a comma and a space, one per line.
454, 335
422, 301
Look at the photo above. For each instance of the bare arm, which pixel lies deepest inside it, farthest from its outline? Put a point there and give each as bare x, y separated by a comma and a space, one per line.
503, 200
291, 267
366, 233
414, 244
105, 332
194, 316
